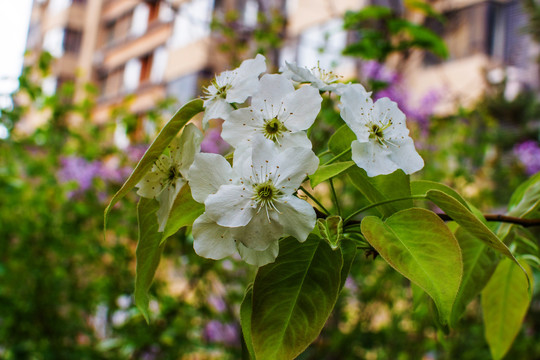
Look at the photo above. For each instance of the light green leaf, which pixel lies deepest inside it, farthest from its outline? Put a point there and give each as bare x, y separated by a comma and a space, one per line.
479, 263
505, 301
394, 186
417, 243
468, 221
326, 172
331, 230
362, 182
167, 134
245, 321
525, 202
183, 212
421, 187
148, 252
293, 297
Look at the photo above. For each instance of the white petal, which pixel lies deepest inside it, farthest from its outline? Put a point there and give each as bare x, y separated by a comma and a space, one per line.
246, 82
150, 185
207, 174
241, 126
373, 158
404, 155
211, 240
273, 89
260, 232
294, 165
264, 156
385, 111
216, 109
295, 139
300, 108
258, 258
356, 107
189, 145
242, 164
297, 217
231, 205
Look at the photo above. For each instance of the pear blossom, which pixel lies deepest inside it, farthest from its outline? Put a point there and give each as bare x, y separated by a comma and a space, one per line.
278, 112
232, 86
319, 78
249, 206
168, 174
383, 144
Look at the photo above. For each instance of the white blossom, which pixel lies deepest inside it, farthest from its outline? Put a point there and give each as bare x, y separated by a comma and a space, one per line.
321, 79
168, 174
232, 86
250, 206
278, 112
383, 144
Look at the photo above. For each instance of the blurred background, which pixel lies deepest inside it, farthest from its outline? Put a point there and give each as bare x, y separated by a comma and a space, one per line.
101, 77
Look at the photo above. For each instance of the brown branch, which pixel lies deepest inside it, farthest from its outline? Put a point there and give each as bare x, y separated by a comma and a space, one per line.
502, 218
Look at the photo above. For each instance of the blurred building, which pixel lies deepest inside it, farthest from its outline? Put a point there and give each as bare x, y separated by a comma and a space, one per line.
152, 49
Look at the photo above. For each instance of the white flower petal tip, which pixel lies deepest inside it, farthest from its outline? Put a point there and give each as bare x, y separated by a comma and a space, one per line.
383, 144
278, 112
319, 78
169, 172
233, 86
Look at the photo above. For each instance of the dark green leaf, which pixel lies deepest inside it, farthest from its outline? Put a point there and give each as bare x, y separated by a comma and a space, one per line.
341, 141
417, 243
245, 320
421, 187
167, 134
505, 301
148, 252
348, 250
293, 297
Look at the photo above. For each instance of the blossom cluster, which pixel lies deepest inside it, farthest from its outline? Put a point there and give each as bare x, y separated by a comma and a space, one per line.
251, 203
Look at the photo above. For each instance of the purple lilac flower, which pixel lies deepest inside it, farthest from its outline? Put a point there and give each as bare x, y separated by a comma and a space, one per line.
217, 303
218, 332
213, 143
79, 170
528, 153
136, 152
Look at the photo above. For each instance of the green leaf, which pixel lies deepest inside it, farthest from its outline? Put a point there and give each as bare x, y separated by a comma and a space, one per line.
183, 212
418, 244
245, 320
148, 252
167, 134
525, 202
479, 263
505, 301
468, 221
341, 141
394, 186
325, 172
331, 230
421, 187
293, 297
348, 251
363, 183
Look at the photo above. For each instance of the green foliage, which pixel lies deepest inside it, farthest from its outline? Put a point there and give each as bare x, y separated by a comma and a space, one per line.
418, 244
325, 172
293, 297
331, 230
149, 249
505, 301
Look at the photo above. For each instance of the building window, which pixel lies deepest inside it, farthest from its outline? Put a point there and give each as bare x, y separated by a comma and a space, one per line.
53, 40
192, 22
72, 41
322, 45
79, 1
146, 68
139, 20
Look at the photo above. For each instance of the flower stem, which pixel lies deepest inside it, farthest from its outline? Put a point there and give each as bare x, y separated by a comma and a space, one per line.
344, 152
414, 197
314, 200
334, 196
